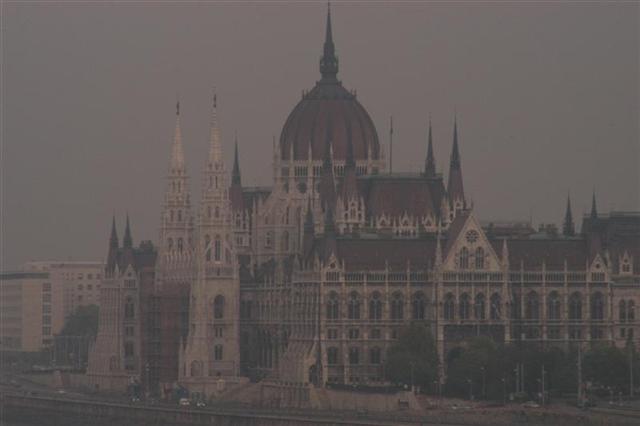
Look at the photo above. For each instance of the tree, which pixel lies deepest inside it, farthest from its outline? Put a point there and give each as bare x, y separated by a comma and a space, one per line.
607, 366
83, 322
414, 354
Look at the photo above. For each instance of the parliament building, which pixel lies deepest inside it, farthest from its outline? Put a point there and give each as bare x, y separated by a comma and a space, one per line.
309, 281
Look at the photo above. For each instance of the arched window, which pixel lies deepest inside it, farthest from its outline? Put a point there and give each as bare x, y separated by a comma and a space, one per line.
553, 306
196, 369
333, 306
332, 356
464, 258
479, 307
419, 306
496, 308
354, 305
397, 306
449, 307
532, 306
170, 243
375, 306
217, 212
113, 363
597, 306
464, 306
171, 216
479, 258
180, 245
631, 313
268, 240
575, 306
375, 356
218, 352
622, 311
209, 212
217, 249
129, 308
218, 307
285, 241
179, 215
207, 241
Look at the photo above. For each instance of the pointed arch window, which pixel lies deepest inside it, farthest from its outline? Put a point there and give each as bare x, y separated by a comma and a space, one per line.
479, 258
553, 306
597, 306
285, 241
464, 258
217, 352
622, 310
180, 243
169, 244
575, 306
179, 215
532, 306
419, 306
449, 307
479, 307
129, 308
333, 306
354, 306
217, 249
375, 306
495, 310
218, 307
397, 306
464, 306
196, 369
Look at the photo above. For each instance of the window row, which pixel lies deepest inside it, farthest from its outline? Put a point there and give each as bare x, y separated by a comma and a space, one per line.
376, 306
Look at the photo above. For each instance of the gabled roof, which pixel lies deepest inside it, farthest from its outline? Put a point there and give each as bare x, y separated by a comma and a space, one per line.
396, 195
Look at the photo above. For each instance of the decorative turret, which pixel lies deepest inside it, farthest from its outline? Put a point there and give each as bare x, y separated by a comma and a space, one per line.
568, 229
112, 255
237, 199
594, 210
430, 162
127, 241
455, 188
176, 224
329, 60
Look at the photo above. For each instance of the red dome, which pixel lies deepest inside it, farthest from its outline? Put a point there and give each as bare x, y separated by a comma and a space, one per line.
329, 111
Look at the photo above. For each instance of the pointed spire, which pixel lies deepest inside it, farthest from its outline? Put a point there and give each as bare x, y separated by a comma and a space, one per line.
594, 210
176, 162
567, 228
235, 175
455, 154
327, 183
215, 146
329, 61
430, 163
113, 240
127, 241
455, 188
505, 253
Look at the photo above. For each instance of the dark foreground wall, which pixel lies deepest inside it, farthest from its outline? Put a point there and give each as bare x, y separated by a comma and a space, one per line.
30, 410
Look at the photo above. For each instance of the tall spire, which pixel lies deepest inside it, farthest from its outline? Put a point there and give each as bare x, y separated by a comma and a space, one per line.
329, 61
113, 240
215, 147
391, 144
430, 163
594, 210
568, 228
455, 154
455, 188
177, 153
235, 174
127, 241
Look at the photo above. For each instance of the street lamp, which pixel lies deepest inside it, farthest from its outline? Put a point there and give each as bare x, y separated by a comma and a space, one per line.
484, 382
470, 389
504, 391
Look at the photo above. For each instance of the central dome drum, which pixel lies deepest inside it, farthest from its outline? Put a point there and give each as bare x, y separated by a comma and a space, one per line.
329, 113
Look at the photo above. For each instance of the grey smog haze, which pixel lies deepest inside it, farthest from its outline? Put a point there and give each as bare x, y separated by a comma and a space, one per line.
546, 96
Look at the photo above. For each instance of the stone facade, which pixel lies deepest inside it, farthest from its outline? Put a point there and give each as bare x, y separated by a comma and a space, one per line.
311, 280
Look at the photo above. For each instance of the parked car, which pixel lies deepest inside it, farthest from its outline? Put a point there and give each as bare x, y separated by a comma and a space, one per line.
201, 404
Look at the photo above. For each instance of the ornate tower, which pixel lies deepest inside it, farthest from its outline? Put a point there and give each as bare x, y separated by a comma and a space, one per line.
455, 189
175, 255
212, 349
430, 162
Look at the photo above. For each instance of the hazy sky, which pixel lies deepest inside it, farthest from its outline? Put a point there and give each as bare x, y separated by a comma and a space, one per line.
546, 94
